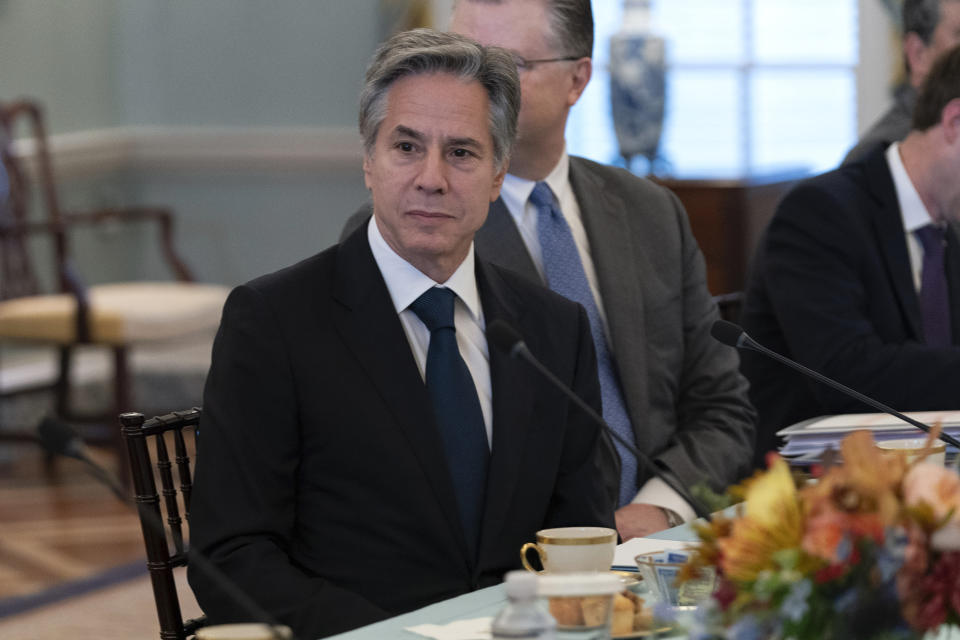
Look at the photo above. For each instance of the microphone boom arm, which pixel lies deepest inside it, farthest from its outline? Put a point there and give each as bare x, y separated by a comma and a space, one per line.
746, 342
520, 350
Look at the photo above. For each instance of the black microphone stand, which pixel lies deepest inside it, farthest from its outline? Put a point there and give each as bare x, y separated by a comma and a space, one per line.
734, 336
506, 337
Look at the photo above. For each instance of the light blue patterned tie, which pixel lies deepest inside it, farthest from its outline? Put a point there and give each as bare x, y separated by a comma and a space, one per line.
565, 275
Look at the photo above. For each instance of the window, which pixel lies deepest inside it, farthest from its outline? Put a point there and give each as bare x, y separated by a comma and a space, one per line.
753, 86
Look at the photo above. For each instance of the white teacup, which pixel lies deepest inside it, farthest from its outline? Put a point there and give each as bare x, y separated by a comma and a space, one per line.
569, 549
913, 447
243, 631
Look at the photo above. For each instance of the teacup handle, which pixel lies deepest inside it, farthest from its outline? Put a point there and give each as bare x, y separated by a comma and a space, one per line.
540, 552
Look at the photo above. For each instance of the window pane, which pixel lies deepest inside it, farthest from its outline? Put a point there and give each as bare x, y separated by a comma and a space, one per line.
702, 131
802, 119
811, 31
796, 95
700, 31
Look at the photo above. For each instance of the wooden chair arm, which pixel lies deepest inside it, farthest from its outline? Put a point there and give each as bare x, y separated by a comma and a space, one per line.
161, 215
69, 277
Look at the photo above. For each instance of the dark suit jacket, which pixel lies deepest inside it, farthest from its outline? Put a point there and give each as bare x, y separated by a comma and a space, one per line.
321, 483
831, 287
686, 398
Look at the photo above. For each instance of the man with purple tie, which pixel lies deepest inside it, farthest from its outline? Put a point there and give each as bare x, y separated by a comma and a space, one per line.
858, 276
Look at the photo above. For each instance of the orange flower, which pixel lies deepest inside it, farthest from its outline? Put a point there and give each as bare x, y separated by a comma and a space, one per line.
935, 486
825, 531
772, 521
867, 482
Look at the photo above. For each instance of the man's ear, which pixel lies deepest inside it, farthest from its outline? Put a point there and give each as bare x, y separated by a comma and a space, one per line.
366, 170
916, 53
582, 70
497, 183
950, 120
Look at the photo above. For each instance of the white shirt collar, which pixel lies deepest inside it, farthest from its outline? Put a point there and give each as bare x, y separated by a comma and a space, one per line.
914, 212
516, 191
406, 283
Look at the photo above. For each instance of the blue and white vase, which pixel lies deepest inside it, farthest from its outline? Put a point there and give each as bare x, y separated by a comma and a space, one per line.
637, 84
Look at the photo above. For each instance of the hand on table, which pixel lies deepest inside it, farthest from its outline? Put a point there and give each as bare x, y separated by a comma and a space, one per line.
638, 520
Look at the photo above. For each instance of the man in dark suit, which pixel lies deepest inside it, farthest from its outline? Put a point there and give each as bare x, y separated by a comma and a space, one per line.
930, 27
858, 276
363, 451
666, 384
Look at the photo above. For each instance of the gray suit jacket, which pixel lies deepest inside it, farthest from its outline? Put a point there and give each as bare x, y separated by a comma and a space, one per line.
892, 126
686, 398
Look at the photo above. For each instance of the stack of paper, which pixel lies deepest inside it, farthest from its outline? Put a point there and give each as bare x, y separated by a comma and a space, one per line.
623, 558
807, 440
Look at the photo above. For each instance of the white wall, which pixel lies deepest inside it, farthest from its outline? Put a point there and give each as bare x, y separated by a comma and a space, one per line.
250, 65
62, 52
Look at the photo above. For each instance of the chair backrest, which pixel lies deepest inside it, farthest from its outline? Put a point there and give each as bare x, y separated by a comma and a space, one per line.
148, 445
17, 272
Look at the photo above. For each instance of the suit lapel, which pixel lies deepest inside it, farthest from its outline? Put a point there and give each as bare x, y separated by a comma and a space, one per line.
888, 225
953, 277
619, 266
499, 242
371, 329
513, 398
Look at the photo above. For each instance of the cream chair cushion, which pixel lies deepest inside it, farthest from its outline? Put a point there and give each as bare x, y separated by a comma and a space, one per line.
119, 313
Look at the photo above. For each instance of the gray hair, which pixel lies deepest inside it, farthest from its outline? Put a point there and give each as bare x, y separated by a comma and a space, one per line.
425, 51
921, 17
571, 25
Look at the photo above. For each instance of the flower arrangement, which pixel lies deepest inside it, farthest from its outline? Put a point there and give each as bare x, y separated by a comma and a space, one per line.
869, 550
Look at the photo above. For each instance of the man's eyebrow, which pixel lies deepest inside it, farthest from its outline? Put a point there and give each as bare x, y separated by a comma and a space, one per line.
461, 141
464, 142
401, 130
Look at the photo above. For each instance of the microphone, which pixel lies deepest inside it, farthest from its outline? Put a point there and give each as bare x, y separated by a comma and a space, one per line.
60, 439
506, 338
733, 335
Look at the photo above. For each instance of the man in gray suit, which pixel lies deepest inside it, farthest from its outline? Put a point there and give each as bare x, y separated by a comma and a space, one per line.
621, 246
930, 27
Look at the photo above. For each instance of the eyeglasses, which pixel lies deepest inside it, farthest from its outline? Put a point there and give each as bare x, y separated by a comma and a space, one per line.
526, 65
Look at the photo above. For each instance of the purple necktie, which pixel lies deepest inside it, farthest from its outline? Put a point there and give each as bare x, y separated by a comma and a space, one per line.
934, 300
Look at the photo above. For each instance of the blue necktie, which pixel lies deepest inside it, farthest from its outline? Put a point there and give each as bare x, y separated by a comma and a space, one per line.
934, 299
565, 275
457, 410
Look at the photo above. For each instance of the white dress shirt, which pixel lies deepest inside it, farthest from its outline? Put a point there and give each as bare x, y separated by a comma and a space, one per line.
406, 283
515, 194
914, 212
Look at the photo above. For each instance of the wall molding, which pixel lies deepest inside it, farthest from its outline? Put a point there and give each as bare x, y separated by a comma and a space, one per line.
190, 149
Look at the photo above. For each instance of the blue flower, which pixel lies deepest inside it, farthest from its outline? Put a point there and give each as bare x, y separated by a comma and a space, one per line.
846, 601
795, 606
891, 555
746, 628
844, 548
663, 612
888, 565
